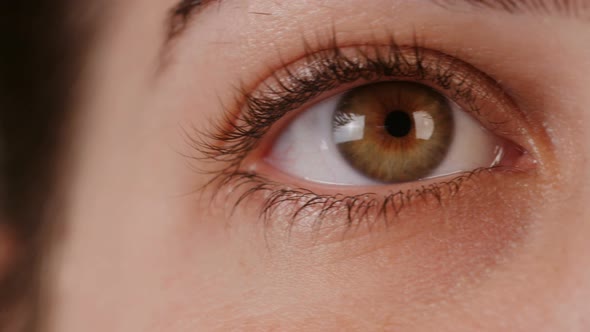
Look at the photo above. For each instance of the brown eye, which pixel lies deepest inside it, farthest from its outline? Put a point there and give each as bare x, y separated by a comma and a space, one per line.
381, 133
394, 131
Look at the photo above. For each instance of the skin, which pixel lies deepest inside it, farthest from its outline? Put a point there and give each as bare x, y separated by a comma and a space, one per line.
141, 250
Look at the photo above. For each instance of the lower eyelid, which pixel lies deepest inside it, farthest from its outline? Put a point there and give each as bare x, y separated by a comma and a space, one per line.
351, 207
518, 161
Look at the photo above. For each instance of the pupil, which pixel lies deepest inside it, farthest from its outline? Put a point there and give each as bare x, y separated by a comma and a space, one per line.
398, 124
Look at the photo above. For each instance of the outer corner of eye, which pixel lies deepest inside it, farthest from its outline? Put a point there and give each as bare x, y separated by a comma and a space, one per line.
386, 133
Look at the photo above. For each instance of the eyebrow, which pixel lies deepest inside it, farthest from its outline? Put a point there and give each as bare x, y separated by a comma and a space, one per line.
182, 13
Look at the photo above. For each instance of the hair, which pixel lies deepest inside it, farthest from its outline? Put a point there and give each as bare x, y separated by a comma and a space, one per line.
37, 67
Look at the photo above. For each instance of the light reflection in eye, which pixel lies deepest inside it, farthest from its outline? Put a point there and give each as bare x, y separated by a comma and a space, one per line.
424, 125
310, 147
354, 130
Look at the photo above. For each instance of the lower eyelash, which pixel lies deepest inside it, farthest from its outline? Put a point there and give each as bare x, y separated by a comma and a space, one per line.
280, 202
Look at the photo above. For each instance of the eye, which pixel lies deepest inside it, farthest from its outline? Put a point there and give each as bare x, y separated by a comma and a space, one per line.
360, 133
383, 133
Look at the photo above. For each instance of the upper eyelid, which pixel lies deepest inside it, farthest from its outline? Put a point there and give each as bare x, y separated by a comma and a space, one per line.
185, 11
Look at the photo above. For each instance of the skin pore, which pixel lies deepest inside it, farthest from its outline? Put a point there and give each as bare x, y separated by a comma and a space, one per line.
156, 237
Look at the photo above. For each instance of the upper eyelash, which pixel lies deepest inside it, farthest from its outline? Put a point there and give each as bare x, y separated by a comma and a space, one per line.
237, 134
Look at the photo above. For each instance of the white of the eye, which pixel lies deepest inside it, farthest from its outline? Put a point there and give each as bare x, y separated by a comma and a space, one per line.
307, 148
472, 147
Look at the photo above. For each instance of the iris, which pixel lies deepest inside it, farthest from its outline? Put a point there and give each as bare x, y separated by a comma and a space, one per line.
394, 131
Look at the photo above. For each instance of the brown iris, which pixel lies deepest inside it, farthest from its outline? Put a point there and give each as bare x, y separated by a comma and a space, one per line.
394, 131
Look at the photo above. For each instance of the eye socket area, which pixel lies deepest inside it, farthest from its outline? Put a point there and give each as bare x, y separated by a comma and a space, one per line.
386, 133
247, 142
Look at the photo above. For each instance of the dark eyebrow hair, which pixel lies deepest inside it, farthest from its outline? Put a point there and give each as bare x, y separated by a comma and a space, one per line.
183, 11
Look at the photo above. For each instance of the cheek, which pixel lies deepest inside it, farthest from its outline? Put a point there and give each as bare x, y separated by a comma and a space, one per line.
390, 276
421, 257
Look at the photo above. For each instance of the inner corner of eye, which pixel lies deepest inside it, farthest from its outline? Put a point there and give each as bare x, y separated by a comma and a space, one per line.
386, 133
